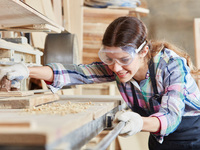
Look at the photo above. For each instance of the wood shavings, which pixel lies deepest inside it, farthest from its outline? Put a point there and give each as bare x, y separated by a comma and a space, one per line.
59, 109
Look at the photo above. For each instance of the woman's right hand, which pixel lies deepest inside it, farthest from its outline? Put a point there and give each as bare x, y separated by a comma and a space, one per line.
133, 122
15, 73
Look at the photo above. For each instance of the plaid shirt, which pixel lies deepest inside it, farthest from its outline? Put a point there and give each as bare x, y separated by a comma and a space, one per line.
180, 94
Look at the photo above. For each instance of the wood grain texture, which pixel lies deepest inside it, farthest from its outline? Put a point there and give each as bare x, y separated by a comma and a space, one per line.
48, 128
197, 43
27, 101
16, 93
12, 124
16, 13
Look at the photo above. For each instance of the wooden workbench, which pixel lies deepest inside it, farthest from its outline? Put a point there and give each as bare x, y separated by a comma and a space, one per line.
47, 131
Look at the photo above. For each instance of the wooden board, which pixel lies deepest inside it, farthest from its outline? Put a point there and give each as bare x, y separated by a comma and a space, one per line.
45, 129
73, 18
103, 15
57, 8
26, 101
16, 13
16, 93
197, 43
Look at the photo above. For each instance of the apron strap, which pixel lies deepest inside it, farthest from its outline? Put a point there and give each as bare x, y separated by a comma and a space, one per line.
152, 76
153, 81
133, 93
156, 96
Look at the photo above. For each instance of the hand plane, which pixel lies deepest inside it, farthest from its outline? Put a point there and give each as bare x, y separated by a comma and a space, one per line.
5, 85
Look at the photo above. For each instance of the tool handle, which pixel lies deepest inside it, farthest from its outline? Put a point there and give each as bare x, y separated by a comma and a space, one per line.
109, 137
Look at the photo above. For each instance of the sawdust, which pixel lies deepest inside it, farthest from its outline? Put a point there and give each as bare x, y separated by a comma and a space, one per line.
59, 109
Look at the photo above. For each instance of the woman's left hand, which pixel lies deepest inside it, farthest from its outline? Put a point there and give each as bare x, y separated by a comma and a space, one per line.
133, 122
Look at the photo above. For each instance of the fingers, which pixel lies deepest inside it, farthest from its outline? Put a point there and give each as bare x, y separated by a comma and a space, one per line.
117, 115
15, 84
124, 116
127, 128
134, 123
14, 75
3, 72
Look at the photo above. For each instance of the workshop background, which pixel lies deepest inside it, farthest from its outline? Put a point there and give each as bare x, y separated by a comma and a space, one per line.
176, 21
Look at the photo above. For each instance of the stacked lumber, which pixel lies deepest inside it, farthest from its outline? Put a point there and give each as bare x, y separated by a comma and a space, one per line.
24, 99
95, 22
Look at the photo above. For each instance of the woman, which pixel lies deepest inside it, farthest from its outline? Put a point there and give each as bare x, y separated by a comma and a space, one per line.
154, 79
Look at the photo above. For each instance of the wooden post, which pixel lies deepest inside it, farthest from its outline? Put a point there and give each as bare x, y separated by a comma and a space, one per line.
197, 43
73, 22
73, 18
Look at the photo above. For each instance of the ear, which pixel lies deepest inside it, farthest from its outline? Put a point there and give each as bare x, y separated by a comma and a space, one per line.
144, 51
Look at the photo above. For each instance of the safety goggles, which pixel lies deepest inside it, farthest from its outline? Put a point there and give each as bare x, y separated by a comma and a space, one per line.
123, 55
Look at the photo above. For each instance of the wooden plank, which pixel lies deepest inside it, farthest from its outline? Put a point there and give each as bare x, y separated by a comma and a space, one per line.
89, 60
92, 39
94, 55
137, 9
92, 47
17, 13
33, 28
103, 15
197, 43
57, 8
16, 139
94, 27
16, 93
24, 48
92, 98
36, 4
38, 38
14, 124
27, 101
48, 9
50, 128
73, 16
4, 53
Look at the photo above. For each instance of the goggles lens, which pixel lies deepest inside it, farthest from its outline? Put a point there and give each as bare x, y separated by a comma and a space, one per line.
123, 55
109, 57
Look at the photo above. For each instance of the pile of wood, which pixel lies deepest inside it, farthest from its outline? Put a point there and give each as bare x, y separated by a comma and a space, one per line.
95, 22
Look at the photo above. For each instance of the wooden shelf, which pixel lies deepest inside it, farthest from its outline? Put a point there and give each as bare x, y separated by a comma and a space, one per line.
18, 16
106, 15
96, 21
136, 10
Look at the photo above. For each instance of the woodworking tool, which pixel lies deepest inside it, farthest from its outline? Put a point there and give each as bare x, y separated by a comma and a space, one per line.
103, 145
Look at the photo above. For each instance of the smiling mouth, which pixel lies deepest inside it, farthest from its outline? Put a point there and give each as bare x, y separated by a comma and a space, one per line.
121, 75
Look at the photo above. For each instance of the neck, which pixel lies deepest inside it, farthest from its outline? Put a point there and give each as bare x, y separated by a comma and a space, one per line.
141, 73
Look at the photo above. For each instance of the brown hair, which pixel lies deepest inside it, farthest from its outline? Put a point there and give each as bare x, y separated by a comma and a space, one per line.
125, 30
157, 46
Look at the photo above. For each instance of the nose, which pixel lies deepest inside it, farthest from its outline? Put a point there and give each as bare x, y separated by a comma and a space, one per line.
116, 67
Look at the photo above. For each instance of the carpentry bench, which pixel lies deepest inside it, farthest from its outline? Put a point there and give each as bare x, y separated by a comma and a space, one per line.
22, 130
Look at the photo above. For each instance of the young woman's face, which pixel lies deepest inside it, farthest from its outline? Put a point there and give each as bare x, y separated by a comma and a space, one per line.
125, 72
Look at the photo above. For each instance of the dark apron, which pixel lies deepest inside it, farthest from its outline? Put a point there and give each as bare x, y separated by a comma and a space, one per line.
185, 137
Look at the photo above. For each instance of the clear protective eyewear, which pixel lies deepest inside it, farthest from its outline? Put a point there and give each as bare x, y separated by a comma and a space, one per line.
123, 56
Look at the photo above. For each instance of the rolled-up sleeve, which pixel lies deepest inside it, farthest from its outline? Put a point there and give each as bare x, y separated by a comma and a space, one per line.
79, 74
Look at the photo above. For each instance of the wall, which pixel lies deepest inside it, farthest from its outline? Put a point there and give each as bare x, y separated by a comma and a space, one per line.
173, 21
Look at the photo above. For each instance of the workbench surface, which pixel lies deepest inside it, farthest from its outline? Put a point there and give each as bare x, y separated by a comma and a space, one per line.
19, 128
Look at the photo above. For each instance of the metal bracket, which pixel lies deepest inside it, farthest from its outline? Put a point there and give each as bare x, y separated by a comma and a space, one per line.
109, 120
